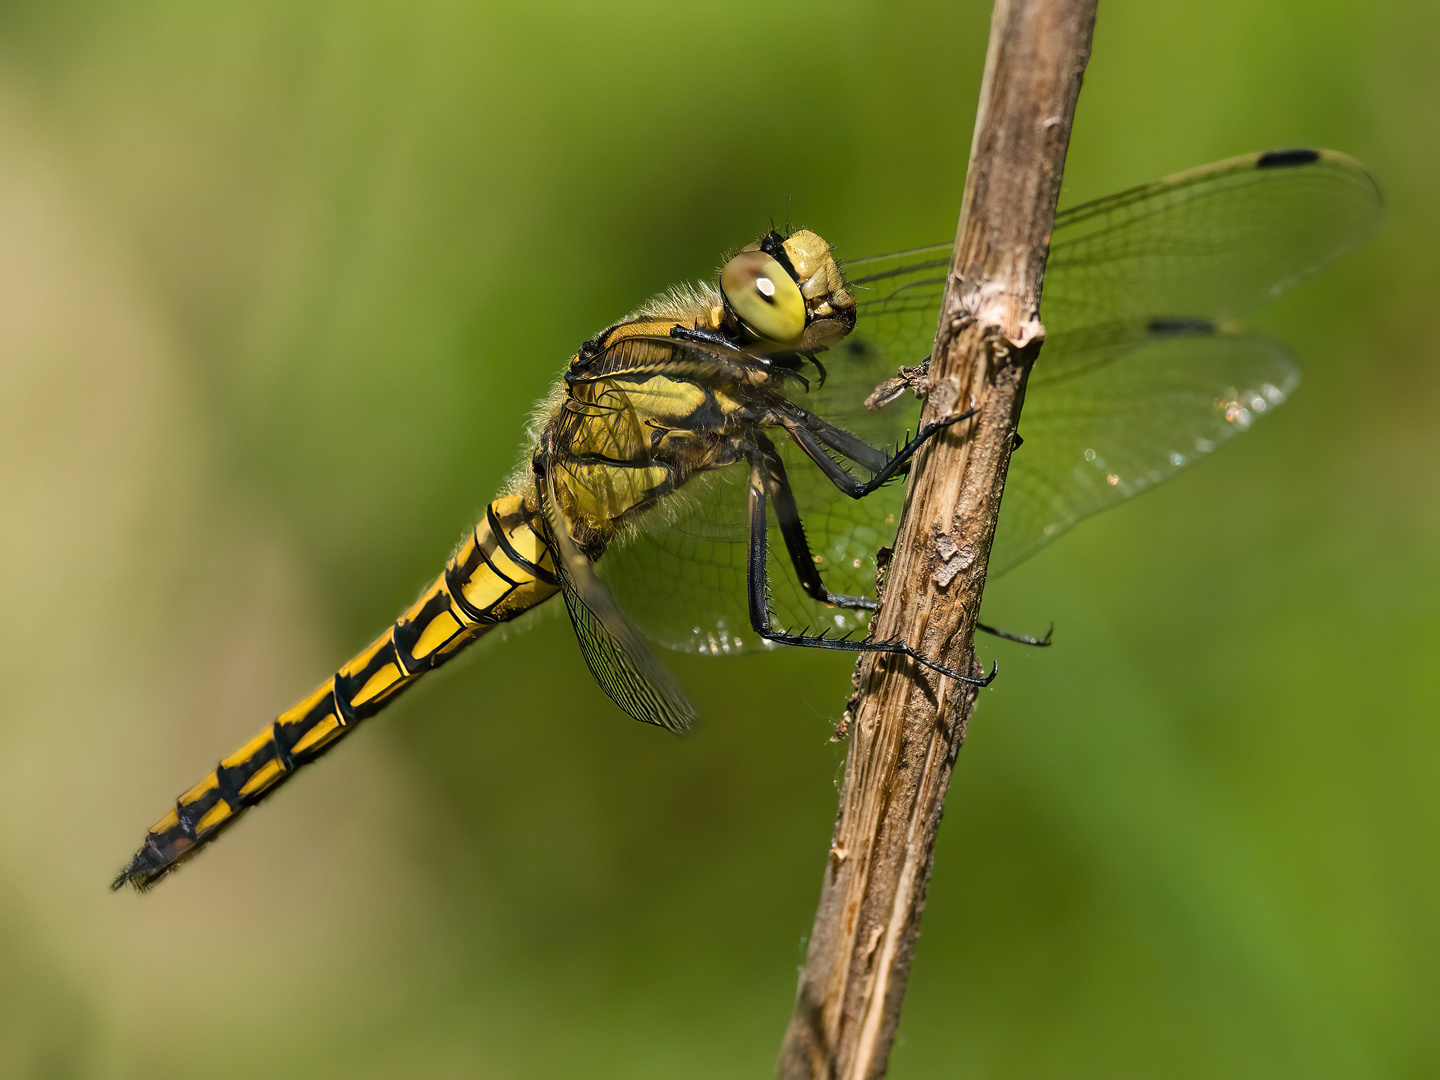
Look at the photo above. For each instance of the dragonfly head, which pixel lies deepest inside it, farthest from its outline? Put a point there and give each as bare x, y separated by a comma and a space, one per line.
788, 291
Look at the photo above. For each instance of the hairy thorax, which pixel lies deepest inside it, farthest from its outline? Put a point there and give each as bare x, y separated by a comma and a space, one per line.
673, 390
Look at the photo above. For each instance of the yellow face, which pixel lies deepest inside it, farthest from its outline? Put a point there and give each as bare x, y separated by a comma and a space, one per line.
804, 307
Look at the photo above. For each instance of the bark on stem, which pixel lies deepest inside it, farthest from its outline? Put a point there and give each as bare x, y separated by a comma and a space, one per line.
906, 723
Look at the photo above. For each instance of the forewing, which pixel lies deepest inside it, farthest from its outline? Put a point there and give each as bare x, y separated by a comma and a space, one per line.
1213, 242
1112, 411
613, 649
1135, 369
898, 302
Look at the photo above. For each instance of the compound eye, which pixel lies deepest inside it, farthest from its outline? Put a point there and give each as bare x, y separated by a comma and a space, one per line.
764, 296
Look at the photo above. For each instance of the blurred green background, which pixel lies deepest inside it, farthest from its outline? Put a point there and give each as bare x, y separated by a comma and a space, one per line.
279, 283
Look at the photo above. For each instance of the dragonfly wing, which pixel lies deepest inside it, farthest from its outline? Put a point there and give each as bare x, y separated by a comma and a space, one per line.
898, 302
1136, 379
613, 649
1112, 411
683, 571
1213, 242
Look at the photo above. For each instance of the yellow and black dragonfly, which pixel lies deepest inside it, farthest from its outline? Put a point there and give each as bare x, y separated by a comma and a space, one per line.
676, 435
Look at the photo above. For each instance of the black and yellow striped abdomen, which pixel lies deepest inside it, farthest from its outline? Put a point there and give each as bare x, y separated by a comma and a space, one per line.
502, 569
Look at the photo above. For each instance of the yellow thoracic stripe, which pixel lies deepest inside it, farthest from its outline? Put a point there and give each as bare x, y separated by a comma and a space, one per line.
502, 569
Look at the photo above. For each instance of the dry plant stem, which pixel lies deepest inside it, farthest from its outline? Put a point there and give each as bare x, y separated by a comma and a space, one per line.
907, 723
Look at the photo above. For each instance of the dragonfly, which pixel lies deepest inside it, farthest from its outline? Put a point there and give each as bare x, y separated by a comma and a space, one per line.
776, 398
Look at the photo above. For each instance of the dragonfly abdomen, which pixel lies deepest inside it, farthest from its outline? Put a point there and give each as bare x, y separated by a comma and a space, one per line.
501, 570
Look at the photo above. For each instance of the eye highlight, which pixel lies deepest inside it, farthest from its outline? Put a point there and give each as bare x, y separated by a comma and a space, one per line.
764, 296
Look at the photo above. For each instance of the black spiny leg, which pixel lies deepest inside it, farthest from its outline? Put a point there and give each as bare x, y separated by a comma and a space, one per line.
1019, 639
777, 486
813, 435
758, 590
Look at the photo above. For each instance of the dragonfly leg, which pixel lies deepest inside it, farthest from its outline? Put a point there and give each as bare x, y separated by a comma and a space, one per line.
757, 582
813, 435
1022, 639
822, 432
777, 486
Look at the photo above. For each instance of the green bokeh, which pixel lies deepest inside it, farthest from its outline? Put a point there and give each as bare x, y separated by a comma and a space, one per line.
278, 285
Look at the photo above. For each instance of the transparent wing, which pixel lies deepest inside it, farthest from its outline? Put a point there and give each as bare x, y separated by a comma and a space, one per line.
1212, 243
1115, 410
1135, 368
898, 297
682, 571
682, 575
613, 649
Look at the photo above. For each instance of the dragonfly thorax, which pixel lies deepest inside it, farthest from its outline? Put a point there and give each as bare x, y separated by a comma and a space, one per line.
679, 387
